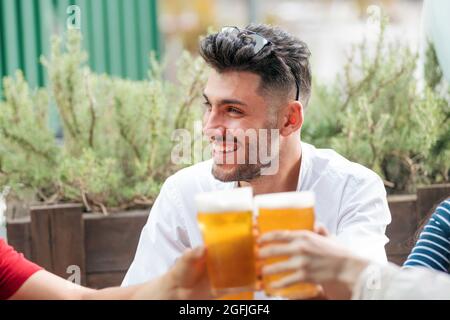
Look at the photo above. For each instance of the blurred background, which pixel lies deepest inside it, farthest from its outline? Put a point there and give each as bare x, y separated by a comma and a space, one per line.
328, 27
93, 90
118, 34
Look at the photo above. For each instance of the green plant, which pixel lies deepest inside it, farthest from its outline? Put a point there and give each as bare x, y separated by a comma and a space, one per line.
117, 133
375, 114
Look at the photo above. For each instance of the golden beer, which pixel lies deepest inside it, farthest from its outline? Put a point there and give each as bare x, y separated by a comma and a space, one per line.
286, 211
238, 296
225, 219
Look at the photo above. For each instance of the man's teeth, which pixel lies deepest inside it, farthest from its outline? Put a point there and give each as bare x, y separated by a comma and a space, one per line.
225, 148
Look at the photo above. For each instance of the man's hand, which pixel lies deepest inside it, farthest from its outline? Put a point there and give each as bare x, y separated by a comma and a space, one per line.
312, 258
186, 280
189, 276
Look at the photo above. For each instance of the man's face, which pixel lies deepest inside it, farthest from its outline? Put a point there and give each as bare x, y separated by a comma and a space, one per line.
234, 105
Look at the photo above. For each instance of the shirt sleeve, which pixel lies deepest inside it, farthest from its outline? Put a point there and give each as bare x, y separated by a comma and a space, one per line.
364, 216
390, 282
163, 239
432, 250
14, 270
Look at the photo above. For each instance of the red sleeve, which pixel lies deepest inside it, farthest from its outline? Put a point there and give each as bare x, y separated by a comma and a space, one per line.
14, 270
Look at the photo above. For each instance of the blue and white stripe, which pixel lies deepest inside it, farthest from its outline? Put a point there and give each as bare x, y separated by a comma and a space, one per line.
432, 250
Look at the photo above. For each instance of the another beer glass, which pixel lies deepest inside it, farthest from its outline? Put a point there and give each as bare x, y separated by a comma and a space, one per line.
225, 218
286, 211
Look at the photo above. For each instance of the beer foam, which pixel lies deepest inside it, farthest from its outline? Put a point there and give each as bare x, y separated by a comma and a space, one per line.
238, 199
302, 199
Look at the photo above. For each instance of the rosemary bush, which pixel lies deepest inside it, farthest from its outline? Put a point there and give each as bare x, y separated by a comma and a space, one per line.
375, 114
117, 133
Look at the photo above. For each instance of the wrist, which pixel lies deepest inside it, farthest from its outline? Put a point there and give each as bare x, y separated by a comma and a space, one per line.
352, 268
344, 281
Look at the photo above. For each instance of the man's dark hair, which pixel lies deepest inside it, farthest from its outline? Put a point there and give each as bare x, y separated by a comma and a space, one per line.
276, 63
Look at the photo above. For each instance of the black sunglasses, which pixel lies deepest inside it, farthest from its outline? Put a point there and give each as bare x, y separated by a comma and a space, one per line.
258, 42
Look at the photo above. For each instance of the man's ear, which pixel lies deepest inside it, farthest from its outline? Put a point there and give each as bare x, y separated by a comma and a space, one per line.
292, 118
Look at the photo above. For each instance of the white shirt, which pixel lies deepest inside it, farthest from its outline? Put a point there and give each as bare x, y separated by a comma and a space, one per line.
390, 282
350, 202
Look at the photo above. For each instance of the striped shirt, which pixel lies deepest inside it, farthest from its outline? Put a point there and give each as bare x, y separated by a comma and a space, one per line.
432, 250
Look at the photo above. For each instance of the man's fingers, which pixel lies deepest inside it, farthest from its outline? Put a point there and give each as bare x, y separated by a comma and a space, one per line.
321, 230
292, 264
283, 236
278, 250
199, 252
276, 236
191, 260
294, 278
195, 254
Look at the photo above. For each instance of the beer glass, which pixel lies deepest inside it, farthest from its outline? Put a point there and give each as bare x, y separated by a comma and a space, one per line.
225, 218
285, 211
249, 295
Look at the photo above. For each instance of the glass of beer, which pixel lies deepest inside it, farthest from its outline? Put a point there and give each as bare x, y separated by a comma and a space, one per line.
225, 218
285, 211
239, 296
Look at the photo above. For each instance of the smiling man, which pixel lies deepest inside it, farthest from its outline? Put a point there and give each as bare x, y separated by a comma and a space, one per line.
260, 84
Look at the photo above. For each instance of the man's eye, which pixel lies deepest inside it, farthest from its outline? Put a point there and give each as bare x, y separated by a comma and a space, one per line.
234, 110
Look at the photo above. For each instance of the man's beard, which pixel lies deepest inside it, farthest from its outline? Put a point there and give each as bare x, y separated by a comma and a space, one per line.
244, 171
241, 172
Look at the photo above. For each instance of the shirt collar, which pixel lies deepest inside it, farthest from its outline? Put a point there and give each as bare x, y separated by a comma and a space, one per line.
305, 165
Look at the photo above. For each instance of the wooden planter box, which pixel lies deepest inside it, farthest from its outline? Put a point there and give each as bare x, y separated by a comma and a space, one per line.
60, 236
408, 212
103, 247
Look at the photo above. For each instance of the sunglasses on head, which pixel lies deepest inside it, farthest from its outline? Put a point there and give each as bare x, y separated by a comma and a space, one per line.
258, 42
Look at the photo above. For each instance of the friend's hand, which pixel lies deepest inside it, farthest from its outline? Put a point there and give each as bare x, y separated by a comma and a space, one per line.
312, 258
186, 280
189, 276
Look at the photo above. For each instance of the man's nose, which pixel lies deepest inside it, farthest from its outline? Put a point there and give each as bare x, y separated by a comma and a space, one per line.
213, 125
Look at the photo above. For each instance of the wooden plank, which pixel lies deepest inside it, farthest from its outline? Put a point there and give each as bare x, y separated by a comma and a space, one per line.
68, 240
403, 227
398, 259
58, 237
111, 241
430, 196
105, 279
19, 235
41, 245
